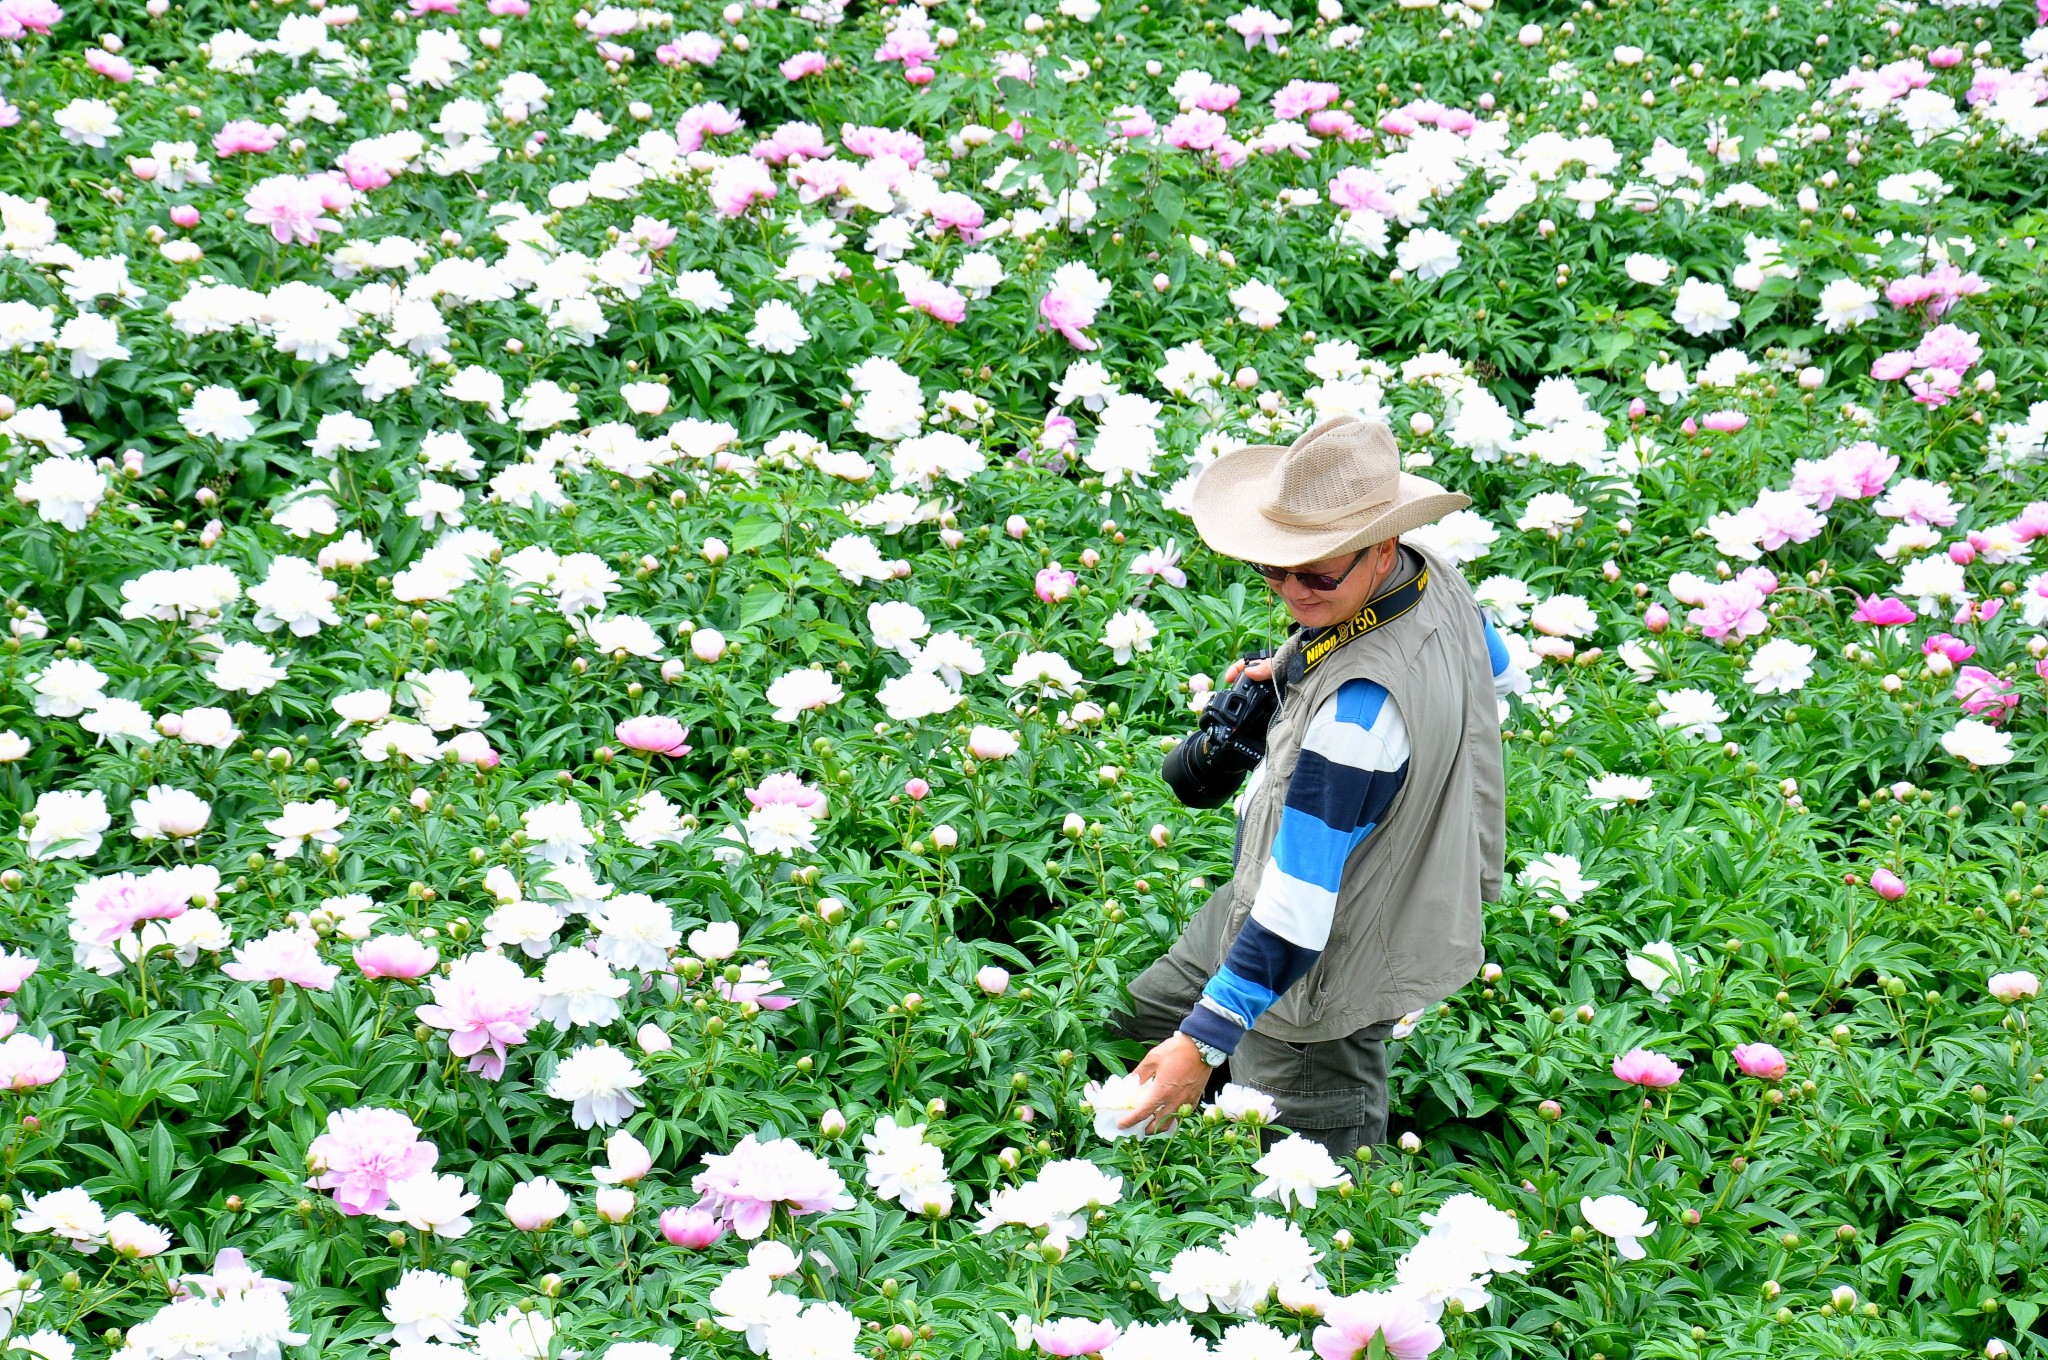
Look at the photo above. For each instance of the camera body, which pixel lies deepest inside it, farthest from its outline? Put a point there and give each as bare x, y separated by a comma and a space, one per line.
1209, 765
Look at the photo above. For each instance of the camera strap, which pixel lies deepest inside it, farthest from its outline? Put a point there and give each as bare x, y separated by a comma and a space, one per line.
1313, 649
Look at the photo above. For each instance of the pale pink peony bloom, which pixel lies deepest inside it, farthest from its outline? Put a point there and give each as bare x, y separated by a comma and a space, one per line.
363, 1151
804, 64
2006, 987
693, 1228
627, 1160
283, 956
1887, 884
395, 956
654, 734
783, 789
743, 1187
246, 137
486, 1004
1760, 1060
185, 215
28, 1061
992, 980
614, 1205
1642, 1067
105, 909
1725, 422
918, 789
293, 207
757, 985
1731, 611
115, 68
1350, 1324
134, 1239
15, 969
1071, 1336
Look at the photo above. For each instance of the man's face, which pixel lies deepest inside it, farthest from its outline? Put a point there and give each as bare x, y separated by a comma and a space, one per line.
1321, 608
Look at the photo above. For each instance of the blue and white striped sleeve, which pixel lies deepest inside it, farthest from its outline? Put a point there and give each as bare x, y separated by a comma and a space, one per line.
1353, 760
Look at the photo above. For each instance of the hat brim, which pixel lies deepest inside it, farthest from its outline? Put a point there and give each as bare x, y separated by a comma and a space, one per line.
1225, 508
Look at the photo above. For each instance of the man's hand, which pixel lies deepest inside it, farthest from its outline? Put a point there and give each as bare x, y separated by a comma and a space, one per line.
1261, 670
1178, 1076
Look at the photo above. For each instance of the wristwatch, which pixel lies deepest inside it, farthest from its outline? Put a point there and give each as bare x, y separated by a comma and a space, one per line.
1211, 1055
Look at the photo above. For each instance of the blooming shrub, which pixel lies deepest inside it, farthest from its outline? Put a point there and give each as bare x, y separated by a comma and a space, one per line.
595, 596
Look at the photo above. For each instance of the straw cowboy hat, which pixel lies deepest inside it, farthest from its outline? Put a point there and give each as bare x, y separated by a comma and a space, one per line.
1336, 489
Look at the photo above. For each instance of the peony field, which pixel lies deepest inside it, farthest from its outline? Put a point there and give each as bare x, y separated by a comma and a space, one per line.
595, 597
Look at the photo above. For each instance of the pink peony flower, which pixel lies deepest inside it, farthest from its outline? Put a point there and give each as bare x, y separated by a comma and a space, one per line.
18, 17
738, 184
1068, 315
1196, 131
1054, 583
743, 1187
702, 121
1724, 422
117, 69
1350, 1323
1887, 884
801, 65
692, 1228
653, 734
1984, 695
1133, 122
2006, 987
293, 207
27, 1061
1881, 611
15, 969
1299, 97
1950, 646
395, 956
1892, 366
105, 909
1642, 1067
1760, 1060
757, 985
185, 215
509, 9
917, 789
363, 1151
792, 142
1357, 188
1731, 611
245, 137
283, 956
1070, 1336
788, 790
940, 301
485, 1003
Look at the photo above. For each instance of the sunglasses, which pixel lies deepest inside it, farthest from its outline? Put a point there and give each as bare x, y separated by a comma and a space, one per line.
1314, 580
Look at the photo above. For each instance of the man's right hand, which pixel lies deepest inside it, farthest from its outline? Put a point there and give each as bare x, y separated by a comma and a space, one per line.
1260, 670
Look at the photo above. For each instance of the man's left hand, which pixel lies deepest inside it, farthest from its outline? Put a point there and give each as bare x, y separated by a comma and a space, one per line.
1178, 1076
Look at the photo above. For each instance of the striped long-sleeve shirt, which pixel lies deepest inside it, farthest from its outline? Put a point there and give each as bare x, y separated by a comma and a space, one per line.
1353, 761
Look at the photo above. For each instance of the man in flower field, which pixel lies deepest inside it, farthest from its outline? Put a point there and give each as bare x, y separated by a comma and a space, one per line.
1373, 824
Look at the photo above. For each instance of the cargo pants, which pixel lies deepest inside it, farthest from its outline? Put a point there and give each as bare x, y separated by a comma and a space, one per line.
1334, 1091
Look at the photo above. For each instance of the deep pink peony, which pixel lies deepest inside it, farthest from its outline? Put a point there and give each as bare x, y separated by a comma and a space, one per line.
1760, 1060
654, 734
363, 1151
693, 1227
1643, 1067
1054, 584
1350, 1323
1984, 695
395, 956
1882, 611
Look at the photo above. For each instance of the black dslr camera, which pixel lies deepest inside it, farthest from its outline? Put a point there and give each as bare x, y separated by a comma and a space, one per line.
1207, 767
